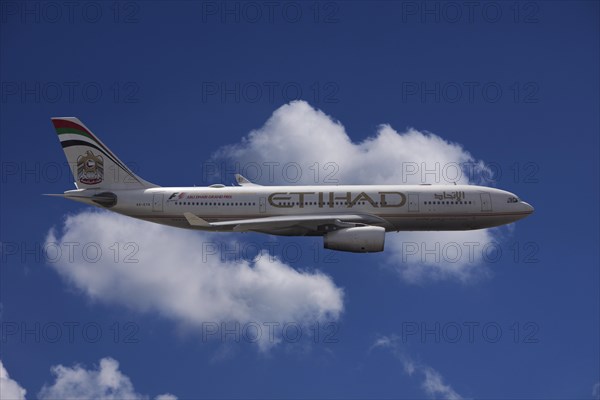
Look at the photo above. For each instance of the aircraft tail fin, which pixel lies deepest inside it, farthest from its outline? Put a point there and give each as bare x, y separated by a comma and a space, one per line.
93, 165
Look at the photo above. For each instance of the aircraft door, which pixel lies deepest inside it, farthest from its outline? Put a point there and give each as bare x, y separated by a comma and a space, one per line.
486, 202
262, 205
157, 202
413, 202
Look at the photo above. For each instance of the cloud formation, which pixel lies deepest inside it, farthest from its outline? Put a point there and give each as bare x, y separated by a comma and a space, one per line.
169, 271
302, 145
106, 382
9, 388
432, 381
298, 133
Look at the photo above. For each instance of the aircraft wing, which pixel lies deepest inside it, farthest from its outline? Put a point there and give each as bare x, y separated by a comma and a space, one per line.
310, 224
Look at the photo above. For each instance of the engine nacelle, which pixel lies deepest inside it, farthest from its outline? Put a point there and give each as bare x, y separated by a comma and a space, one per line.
359, 239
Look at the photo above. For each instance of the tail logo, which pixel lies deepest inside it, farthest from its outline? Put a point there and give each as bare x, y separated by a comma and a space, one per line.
90, 168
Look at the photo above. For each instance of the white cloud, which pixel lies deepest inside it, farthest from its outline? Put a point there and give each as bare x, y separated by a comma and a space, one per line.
432, 384
297, 134
421, 257
106, 382
596, 391
9, 388
179, 278
166, 397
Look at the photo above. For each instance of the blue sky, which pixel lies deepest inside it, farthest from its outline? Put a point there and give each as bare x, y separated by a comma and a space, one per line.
167, 85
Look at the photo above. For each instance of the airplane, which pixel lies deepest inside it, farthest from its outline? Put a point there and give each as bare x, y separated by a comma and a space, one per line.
352, 218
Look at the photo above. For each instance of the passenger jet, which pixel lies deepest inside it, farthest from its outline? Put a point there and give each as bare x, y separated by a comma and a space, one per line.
350, 218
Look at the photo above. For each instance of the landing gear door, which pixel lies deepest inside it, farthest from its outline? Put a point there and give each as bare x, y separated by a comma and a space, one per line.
157, 202
413, 202
486, 202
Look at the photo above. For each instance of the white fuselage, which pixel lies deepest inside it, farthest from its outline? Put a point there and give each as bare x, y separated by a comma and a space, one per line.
394, 207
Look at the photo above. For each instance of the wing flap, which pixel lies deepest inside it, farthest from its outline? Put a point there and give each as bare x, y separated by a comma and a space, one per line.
310, 222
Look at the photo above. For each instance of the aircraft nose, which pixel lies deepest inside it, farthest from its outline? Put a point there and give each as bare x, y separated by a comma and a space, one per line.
528, 207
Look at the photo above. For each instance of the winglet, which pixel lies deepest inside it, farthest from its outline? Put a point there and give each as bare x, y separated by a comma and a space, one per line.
194, 220
243, 181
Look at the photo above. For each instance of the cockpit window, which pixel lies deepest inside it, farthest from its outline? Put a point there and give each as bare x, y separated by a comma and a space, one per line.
512, 199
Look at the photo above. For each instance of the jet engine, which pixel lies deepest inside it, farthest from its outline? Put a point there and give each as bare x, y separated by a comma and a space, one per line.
358, 239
